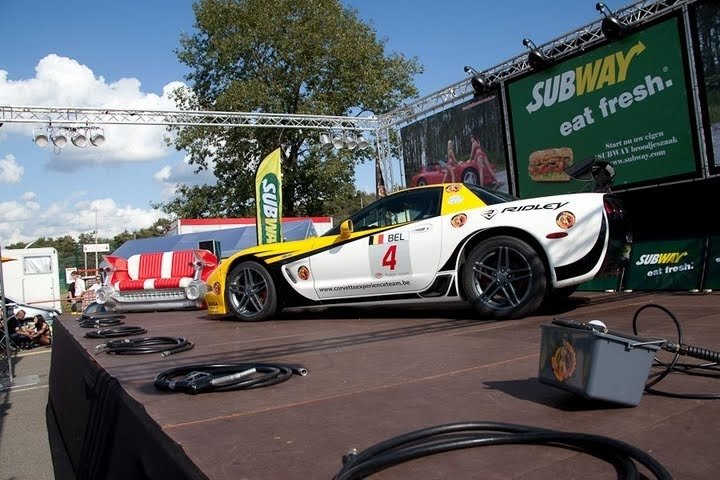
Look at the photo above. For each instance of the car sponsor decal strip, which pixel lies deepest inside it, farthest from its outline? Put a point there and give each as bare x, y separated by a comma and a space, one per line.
587, 262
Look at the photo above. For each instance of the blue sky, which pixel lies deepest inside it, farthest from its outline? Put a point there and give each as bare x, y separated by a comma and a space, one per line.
120, 54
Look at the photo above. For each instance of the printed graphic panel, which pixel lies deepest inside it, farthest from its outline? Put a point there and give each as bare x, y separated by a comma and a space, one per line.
625, 103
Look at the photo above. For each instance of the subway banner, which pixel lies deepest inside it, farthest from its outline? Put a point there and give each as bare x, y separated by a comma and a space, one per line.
464, 143
268, 199
665, 265
626, 103
601, 284
712, 268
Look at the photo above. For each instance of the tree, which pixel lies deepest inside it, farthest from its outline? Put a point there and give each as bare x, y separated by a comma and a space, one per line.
313, 57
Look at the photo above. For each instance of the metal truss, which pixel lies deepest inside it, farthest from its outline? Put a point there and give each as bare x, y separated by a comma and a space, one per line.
554, 50
65, 116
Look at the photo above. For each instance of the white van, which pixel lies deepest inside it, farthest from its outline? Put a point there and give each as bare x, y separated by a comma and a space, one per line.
32, 277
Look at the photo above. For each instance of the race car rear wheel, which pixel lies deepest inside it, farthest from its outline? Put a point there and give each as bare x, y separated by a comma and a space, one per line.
251, 292
504, 278
422, 182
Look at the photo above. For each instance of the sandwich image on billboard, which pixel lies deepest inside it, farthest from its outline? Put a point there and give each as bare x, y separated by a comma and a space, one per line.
549, 165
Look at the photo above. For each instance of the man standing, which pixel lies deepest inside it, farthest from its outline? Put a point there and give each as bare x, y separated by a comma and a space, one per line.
78, 291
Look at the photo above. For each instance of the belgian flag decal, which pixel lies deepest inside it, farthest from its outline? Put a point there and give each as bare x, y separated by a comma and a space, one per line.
376, 239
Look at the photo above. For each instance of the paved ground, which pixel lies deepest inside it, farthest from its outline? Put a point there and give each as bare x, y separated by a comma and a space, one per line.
24, 449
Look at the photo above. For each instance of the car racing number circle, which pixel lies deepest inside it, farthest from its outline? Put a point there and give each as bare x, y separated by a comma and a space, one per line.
389, 255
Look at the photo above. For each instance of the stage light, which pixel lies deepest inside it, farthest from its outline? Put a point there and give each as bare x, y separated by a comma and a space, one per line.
350, 141
59, 138
97, 138
362, 142
79, 139
591, 169
343, 139
479, 84
536, 58
325, 141
40, 138
338, 140
611, 26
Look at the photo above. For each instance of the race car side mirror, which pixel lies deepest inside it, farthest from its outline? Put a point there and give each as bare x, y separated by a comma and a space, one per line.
346, 228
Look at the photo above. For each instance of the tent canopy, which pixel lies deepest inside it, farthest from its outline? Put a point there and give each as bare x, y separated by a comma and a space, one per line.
232, 240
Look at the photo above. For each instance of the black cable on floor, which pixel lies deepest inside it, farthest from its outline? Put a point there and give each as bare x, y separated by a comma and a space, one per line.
205, 378
100, 322
137, 346
455, 436
100, 316
126, 331
709, 370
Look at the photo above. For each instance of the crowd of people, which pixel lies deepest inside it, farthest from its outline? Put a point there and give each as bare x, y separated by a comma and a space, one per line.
28, 333
79, 292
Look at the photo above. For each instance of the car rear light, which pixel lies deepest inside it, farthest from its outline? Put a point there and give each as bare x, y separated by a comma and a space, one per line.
613, 207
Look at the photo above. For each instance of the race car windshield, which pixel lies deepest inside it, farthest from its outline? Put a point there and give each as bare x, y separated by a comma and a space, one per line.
490, 197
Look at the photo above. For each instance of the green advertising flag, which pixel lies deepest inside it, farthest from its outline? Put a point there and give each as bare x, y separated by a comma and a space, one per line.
268, 199
625, 103
666, 265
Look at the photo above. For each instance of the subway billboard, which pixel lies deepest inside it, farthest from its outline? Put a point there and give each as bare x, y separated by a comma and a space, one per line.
626, 102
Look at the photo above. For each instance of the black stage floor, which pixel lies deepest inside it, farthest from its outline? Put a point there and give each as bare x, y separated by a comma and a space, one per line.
373, 374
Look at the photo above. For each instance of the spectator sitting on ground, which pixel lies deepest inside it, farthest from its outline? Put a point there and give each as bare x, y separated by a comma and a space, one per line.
18, 334
41, 332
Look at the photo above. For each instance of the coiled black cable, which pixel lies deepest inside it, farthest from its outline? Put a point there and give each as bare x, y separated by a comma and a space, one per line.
100, 322
100, 316
710, 369
203, 378
126, 331
455, 436
137, 346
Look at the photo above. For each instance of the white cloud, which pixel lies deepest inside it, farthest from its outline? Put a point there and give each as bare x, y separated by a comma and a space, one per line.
169, 176
25, 221
63, 82
10, 170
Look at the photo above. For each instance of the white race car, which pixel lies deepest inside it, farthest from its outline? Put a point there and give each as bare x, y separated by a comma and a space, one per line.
441, 242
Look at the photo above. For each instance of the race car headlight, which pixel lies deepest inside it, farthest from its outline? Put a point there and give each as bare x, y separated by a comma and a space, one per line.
196, 290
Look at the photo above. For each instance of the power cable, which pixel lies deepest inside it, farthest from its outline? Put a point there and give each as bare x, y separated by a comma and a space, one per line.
454, 436
100, 322
137, 346
204, 378
126, 331
709, 370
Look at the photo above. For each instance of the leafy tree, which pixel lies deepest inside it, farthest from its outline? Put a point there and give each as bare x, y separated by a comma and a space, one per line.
313, 57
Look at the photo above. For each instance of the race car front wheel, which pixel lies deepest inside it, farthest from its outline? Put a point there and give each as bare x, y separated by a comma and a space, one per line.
504, 278
251, 292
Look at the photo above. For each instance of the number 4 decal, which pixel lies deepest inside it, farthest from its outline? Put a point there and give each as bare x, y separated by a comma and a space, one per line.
389, 257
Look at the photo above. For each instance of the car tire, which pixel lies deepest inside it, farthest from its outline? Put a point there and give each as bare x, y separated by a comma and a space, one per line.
421, 182
504, 278
251, 292
470, 176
